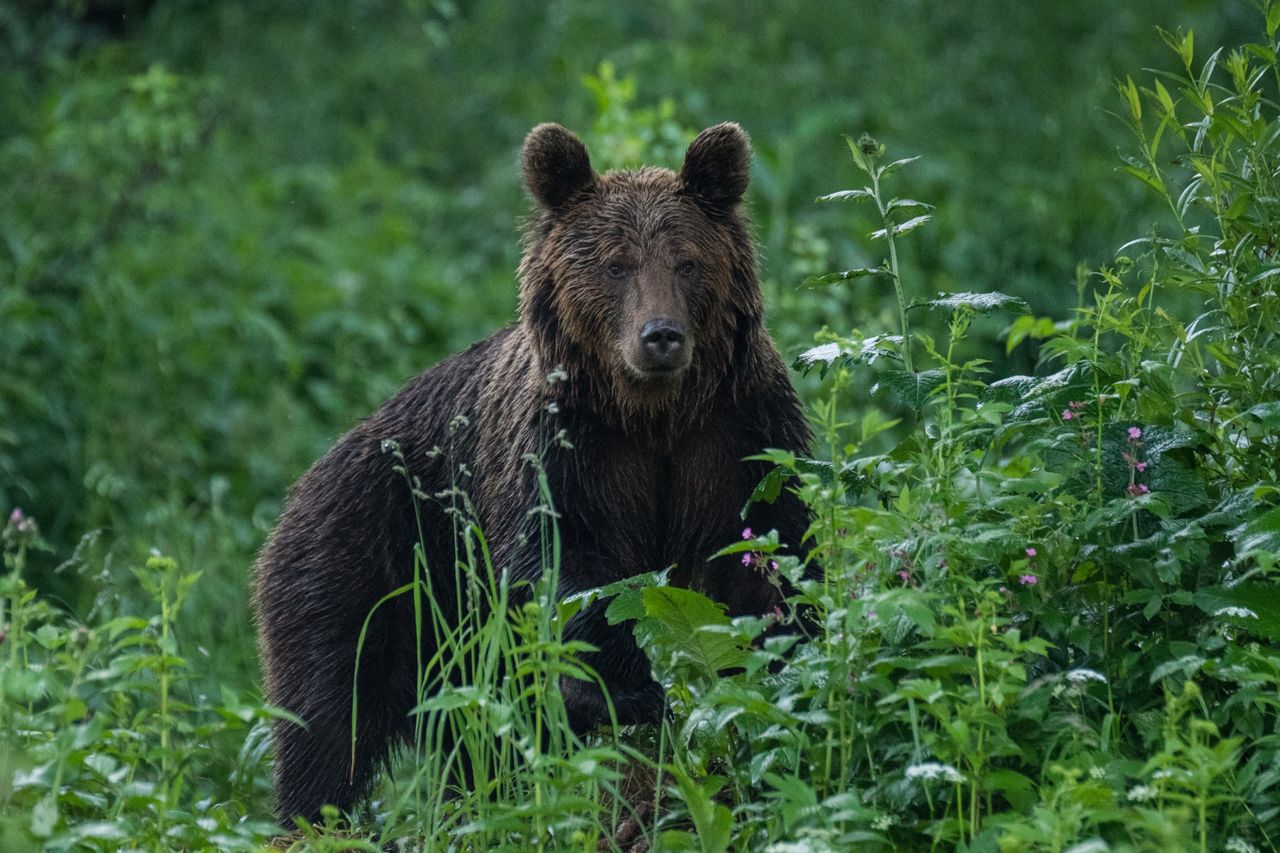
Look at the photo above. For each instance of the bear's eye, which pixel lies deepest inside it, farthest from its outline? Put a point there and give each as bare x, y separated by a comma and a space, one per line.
687, 268
616, 269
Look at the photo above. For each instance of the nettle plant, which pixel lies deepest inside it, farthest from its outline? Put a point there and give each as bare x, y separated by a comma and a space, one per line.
1048, 615
107, 743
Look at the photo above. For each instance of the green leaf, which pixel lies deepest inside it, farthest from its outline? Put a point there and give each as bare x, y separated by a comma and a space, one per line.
1026, 327
713, 821
906, 203
683, 628
1130, 92
1146, 177
845, 353
910, 389
1268, 412
847, 195
1162, 95
1252, 606
983, 302
1018, 789
897, 164
44, 817
903, 228
1258, 536
836, 277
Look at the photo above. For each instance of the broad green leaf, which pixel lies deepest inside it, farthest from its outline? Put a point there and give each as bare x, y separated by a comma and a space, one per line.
1252, 606
685, 628
910, 389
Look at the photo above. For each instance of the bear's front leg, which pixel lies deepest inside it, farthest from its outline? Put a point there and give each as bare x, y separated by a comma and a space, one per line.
635, 696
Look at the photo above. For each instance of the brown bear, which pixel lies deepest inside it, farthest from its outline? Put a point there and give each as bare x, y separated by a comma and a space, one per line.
639, 296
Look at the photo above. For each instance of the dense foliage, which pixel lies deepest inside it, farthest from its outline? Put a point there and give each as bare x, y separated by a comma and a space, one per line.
1047, 496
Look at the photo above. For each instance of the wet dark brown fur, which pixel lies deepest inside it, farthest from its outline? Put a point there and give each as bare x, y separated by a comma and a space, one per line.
654, 477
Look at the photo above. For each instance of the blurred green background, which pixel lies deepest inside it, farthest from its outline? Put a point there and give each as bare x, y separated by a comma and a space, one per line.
229, 230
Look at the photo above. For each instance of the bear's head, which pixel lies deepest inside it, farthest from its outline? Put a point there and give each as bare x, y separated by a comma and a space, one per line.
641, 284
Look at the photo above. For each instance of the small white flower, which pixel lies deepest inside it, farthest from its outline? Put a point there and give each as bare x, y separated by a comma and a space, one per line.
934, 770
1236, 844
1080, 676
884, 822
1163, 774
1237, 612
1141, 793
1097, 773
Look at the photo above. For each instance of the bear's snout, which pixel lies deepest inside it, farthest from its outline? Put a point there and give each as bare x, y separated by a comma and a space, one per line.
663, 342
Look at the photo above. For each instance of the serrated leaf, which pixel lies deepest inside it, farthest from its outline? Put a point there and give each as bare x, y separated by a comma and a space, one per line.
1011, 389
910, 389
826, 356
684, 628
897, 164
983, 302
903, 228
1233, 604
905, 203
847, 195
846, 275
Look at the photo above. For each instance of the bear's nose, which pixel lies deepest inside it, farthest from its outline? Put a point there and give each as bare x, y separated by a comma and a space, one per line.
662, 340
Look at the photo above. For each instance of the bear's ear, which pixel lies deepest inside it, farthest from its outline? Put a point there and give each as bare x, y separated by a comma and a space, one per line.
556, 165
717, 166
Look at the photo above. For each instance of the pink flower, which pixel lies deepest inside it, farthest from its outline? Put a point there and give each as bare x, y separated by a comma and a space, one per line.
1141, 466
1136, 489
746, 533
773, 565
1134, 433
1004, 590
1031, 552
1028, 580
16, 516
905, 575
1067, 415
746, 559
